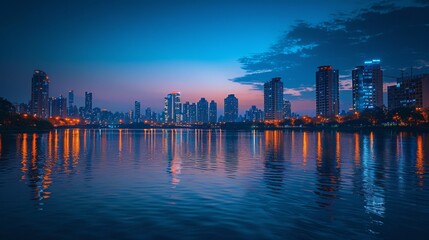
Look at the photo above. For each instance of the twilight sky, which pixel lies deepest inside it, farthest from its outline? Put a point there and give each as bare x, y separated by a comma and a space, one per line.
124, 51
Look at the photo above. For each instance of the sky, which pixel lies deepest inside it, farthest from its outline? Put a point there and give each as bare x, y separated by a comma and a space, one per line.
124, 51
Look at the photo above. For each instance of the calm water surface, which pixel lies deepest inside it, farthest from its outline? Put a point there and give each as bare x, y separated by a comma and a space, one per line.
173, 184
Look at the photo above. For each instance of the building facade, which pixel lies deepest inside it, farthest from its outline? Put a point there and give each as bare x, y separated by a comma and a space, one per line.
327, 92
273, 99
39, 103
367, 82
58, 107
287, 112
172, 108
137, 114
230, 108
203, 110
213, 112
412, 91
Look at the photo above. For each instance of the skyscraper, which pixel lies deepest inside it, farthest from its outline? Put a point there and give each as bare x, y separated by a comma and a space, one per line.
327, 92
137, 116
213, 112
230, 108
273, 99
185, 112
367, 83
203, 110
193, 113
88, 106
254, 114
58, 107
39, 103
287, 113
148, 114
70, 109
172, 108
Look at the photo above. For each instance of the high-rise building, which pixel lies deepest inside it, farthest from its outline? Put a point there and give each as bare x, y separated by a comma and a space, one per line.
273, 99
193, 113
185, 112
327, 92
137, 116
172, 108
230, 108
254, 114
88, 106
287, 113
70, 108
412, 91
203, 110
367, 81
39, 103
58, 107
213, 112
148, 114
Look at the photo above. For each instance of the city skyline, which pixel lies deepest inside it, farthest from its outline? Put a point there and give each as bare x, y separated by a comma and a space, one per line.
124, 59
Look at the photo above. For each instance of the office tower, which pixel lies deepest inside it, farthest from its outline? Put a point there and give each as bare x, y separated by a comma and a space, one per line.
327, 92
185, 112
273, 99
367, 83
172, 108
203, 110
137, 116
230, 108
39, 103
58, 107
213, 112
411, 91
287, 113
254, 114
71, 102
88, 106
193, 113
148, 114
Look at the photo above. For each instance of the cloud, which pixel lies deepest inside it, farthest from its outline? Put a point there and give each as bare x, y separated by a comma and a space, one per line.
297, 92
398, 36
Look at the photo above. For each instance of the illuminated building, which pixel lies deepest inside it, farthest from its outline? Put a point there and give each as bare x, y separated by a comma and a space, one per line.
203, 110
287, 113
70, 111
230, 108
58, 107
39, 103
273, 99
367, 81
137, 116
254, 114
172, 108
412, 91
88, 106
327, 92
213, 112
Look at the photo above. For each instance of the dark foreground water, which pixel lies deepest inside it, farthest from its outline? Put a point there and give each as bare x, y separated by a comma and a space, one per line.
173, 184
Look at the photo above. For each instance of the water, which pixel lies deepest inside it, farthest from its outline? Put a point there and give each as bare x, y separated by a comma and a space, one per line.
173, 184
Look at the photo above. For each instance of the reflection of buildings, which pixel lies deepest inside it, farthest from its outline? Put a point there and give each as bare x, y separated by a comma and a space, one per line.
328, 167
39, 160
169, 143
274, 159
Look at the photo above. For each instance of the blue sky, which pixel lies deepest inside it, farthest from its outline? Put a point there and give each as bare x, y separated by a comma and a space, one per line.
141, 50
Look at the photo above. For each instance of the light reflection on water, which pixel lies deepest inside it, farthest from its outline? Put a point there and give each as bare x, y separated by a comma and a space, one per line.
174, 183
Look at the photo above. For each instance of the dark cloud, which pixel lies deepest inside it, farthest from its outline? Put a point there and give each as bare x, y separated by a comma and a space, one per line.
399, 36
